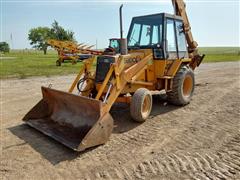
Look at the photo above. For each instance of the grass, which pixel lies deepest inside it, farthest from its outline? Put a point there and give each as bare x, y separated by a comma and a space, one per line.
25, 63
220, 54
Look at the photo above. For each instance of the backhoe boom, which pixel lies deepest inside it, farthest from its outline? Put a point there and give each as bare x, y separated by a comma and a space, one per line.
180, 10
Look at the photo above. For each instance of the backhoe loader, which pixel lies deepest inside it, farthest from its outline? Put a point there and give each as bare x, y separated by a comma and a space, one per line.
158, 54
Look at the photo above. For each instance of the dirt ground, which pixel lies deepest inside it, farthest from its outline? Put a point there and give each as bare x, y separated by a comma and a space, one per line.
197, 141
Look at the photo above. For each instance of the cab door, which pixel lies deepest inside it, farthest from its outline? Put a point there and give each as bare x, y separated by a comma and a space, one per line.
181, 40
176, 47
171, 44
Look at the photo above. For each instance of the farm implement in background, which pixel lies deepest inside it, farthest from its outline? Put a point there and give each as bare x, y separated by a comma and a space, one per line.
69, 50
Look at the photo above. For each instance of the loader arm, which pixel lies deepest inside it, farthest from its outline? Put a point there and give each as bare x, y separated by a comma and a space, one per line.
122, 77
180, 10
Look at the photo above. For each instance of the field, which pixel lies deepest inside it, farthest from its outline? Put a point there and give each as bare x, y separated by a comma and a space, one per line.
200, 141
220, 54
26, 63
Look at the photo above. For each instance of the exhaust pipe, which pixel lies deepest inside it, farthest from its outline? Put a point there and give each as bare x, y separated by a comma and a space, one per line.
123, 41
120, 16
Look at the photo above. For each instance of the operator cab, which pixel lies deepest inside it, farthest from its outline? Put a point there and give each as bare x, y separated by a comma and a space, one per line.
115, 44
113, 48
161, 32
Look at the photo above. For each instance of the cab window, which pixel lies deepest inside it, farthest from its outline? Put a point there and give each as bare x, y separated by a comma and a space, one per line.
134, 36
145, 36
171, 39
181, 40
155, 34
145, 32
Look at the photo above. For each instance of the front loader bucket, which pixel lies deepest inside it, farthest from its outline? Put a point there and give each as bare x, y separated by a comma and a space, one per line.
75, 121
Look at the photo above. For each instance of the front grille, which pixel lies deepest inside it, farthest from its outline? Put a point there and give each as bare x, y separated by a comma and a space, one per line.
103, 66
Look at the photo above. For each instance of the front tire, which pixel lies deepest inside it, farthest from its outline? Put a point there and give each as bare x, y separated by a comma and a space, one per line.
183, 87
58, 63
141, 105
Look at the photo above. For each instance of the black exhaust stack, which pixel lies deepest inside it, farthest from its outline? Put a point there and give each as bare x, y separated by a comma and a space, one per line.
120, 16
123, 41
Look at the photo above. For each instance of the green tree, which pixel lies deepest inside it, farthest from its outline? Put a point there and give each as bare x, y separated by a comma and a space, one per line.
59, 33
4, 47
38, 38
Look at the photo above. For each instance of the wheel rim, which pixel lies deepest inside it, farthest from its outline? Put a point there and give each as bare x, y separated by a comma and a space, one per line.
146, 106
187, 86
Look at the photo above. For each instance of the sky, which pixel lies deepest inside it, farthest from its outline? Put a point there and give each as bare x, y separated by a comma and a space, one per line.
213, 22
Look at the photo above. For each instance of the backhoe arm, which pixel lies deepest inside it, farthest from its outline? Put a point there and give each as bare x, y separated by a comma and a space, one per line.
180, 10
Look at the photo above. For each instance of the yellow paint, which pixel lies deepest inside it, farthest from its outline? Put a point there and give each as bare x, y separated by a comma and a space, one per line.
131, 72
174, 67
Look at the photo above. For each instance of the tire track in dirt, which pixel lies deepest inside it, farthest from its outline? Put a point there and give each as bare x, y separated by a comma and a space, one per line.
210, 164
184, 142
195, 165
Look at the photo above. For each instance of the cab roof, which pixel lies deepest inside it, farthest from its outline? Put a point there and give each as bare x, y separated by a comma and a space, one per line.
161, 15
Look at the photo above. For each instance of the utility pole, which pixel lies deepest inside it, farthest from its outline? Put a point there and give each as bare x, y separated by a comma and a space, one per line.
11, 41
96, 44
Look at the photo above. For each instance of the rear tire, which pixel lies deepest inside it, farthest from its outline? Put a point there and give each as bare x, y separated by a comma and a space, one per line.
74, 62
141, 105
183, 87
